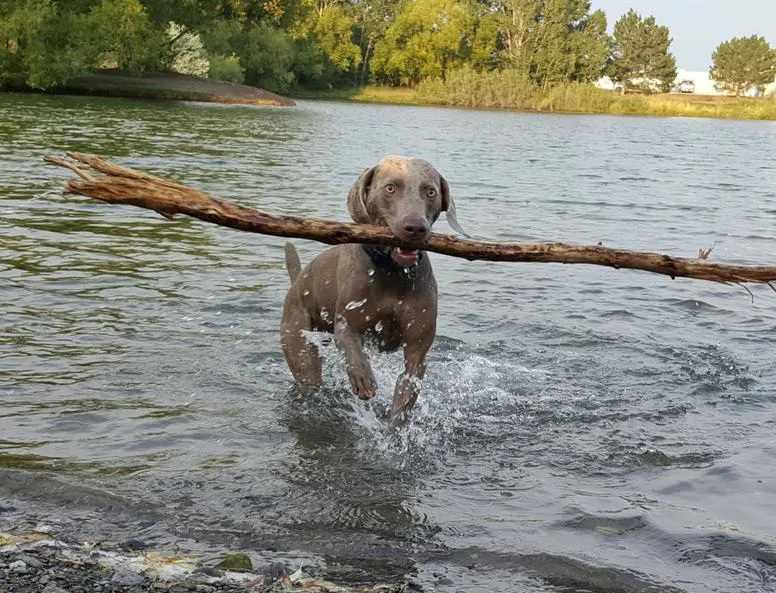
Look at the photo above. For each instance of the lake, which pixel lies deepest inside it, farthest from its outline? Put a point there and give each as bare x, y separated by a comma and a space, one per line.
580, 428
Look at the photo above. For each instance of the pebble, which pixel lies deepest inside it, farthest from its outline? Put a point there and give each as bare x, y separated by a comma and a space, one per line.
52, 588
126, 578
18, 567
30, 561
134, 544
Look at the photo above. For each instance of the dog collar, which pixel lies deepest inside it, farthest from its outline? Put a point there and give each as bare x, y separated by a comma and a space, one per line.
383, 260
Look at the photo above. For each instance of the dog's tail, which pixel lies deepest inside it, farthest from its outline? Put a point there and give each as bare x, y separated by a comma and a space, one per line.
293, 265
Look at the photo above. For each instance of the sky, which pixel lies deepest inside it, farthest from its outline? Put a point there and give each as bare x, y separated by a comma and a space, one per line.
699, 26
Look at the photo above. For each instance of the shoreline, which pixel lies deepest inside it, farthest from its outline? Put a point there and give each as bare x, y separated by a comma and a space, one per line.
38, 561
166, 86
660, 105
170, 86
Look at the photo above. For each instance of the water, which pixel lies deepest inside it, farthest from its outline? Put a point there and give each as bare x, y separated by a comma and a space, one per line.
580, 428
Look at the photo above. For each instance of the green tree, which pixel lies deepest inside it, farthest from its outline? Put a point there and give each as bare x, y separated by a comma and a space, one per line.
267, 55
641, 57
743, 63
592, 47
551, 41
371, 19
334, 33
567, 44
516, 21
43, 42
426, 39
48, 42
125, 37
485, 46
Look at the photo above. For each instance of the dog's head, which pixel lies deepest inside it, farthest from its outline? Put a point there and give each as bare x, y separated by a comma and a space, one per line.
405, 194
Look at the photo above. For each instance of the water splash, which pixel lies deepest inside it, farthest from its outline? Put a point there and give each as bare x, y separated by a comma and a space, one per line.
355, 304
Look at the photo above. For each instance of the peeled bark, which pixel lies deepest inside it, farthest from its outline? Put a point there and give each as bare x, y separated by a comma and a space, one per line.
120, 185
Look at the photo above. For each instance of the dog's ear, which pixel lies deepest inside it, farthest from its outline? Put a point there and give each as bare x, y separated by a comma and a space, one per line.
357, 197
448, 206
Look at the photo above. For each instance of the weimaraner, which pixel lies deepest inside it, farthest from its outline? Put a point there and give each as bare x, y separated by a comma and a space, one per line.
387, 294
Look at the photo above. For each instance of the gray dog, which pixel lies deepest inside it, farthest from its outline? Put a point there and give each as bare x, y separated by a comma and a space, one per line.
355, 291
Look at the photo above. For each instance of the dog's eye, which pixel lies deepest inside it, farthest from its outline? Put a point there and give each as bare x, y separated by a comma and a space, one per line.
431, 192
390, 188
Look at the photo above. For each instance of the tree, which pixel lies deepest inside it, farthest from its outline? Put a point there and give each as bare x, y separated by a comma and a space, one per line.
43, 43
48, 43
371, 20
640, 54
567, 44
552, 41
426, 39
187, 51
516, 21
334, 33
126, 38
743, 63
592, 47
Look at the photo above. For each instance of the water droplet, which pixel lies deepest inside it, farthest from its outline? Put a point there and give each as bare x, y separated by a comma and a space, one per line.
306, 292
379, 326
355, 304
371, 271
368, 318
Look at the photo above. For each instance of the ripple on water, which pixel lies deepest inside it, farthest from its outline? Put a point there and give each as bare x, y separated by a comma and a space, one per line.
571, 418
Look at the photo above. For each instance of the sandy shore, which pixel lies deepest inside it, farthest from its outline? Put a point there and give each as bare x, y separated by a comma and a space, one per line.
165, 85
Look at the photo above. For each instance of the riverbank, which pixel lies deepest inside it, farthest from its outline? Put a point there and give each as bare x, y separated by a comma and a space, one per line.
477, 91
37, 561
168, 86
567, 99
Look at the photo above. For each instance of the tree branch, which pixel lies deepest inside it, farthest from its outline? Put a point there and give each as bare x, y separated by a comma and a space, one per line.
120, 185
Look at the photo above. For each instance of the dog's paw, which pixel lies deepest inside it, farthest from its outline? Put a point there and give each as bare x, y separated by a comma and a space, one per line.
362, 382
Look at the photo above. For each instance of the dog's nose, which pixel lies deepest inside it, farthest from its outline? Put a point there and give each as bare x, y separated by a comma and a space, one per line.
415, 228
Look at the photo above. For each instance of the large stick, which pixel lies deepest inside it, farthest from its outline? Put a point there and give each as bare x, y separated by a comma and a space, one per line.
120, 185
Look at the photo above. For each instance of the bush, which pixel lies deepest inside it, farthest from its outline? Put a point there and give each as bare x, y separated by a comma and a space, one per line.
267, 55
187, 51
504, 89
578, 97
226, 68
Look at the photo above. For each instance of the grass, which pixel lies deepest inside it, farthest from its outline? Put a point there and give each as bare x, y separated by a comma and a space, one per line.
510, 90
366, 94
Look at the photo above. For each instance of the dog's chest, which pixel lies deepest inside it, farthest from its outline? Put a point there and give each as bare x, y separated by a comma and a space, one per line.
386, 334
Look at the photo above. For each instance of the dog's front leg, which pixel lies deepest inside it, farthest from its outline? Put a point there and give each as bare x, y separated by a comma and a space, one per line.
409, 382
362, 380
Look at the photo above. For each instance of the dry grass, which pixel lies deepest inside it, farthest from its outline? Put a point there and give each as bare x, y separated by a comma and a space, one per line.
509, 90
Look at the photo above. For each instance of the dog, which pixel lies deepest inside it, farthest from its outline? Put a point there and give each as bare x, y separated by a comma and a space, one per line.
368, 291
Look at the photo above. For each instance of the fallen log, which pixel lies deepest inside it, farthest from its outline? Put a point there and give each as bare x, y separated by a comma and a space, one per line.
121, 185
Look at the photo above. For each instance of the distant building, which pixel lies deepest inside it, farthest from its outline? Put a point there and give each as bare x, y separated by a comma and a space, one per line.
690, 82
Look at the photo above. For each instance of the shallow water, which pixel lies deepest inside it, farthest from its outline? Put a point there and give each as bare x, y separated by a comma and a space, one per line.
580, 428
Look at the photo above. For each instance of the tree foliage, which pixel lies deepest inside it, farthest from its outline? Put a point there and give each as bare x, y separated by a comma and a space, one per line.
641, 58
425, 40
283, 44
743, 63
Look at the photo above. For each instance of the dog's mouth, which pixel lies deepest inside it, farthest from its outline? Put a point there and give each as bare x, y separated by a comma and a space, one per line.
405, 257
